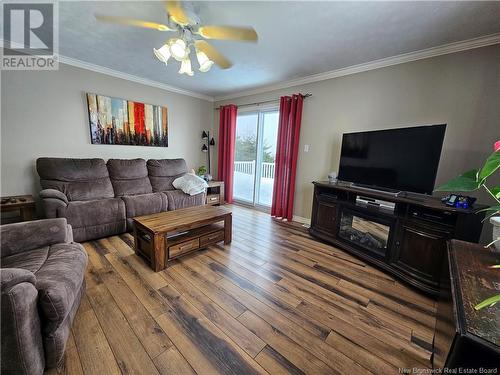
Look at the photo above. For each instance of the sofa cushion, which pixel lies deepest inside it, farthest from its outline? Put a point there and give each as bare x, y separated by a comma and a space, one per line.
178, 199
163, 172
93, 232
129, 176
30, 260
78, 179
89, 213
59, 281
144, 204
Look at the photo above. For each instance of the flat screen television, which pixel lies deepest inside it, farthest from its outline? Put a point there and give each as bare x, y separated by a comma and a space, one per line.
403, 159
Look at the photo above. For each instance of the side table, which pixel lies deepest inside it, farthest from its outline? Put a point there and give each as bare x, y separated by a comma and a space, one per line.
215, 193
25, 204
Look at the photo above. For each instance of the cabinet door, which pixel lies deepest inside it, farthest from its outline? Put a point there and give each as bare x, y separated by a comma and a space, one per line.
326, 217
419, 251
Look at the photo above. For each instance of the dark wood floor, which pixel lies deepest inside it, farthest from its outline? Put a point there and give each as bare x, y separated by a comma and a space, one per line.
274, 301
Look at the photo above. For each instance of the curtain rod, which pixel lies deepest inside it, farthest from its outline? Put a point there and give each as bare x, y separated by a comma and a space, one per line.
264, 102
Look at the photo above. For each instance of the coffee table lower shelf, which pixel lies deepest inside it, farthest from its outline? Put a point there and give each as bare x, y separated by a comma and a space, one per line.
177, 244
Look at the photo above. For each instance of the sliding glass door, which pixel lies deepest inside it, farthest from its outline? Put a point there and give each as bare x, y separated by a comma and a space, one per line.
256, 136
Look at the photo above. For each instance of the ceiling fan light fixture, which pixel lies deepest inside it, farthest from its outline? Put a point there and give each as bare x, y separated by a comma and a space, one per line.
163, 53
204, 61
186, 67
178, 49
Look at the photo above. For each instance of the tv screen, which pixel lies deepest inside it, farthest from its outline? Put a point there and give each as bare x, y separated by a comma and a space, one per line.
404, 159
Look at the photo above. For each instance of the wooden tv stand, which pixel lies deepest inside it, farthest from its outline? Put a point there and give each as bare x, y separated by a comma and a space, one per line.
409, 241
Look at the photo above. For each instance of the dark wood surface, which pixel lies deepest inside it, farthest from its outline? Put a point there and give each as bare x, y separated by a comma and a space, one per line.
475, 282
183, 219
411, 198
274, 301
419, 227
466, 338
25, 204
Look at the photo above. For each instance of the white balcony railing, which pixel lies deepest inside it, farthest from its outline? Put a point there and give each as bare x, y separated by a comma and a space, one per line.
248, 167
267, 170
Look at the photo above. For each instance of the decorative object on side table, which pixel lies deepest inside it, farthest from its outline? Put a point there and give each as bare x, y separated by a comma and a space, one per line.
202, 172
207, 143
215, 193
24, 203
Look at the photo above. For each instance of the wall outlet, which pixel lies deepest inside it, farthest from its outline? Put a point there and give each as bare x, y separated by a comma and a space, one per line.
306, 148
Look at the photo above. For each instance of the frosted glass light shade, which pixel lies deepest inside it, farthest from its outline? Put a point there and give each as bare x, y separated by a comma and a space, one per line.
178, 49
204, 61
163, 53
186, 67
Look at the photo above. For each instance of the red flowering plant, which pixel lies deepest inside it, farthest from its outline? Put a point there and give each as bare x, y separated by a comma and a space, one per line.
476, 179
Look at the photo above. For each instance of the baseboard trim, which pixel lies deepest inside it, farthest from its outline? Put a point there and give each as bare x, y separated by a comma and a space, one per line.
300, 219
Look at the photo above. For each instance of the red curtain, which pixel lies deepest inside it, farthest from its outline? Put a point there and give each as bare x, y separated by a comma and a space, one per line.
227, 137
287, 152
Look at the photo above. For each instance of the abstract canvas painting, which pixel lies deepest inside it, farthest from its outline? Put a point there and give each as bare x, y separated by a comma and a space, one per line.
115, 121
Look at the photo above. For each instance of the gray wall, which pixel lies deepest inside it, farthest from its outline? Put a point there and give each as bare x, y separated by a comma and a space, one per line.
45, 114
461, 90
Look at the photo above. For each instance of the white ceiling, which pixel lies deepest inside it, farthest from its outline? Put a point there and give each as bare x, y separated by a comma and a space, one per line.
296, 39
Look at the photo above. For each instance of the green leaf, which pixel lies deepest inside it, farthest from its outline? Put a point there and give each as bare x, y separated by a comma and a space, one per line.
488, 209
495, 266
496, 191
465, 182
490, 166
471, 174
488, 302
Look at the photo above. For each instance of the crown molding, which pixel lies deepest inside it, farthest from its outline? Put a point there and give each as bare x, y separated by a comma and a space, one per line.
129, 77
444, 49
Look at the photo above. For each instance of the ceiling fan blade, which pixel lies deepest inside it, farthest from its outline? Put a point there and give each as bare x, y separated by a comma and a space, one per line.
213, 54
228, 33
133, 22
177, 13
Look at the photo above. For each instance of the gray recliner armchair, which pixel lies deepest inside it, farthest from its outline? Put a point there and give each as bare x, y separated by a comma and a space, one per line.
42, 282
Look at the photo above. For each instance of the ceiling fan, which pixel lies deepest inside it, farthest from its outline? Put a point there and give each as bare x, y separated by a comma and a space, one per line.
190, 34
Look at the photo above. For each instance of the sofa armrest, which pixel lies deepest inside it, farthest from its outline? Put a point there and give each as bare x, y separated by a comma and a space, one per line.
22, 346
53, 194
19, 237
10, 277
54, 203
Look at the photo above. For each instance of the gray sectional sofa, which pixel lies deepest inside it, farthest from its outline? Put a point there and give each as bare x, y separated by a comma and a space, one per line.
99, 199
42, 283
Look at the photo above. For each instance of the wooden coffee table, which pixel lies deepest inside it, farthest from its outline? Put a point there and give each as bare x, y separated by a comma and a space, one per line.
165, 236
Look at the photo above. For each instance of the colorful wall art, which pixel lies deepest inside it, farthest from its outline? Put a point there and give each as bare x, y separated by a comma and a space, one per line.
115, 121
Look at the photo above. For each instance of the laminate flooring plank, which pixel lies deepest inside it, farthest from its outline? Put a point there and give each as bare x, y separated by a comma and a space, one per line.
220, 351
128, 350
217, 315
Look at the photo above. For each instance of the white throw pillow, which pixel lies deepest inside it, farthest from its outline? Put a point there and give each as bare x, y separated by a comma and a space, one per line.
190, 184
